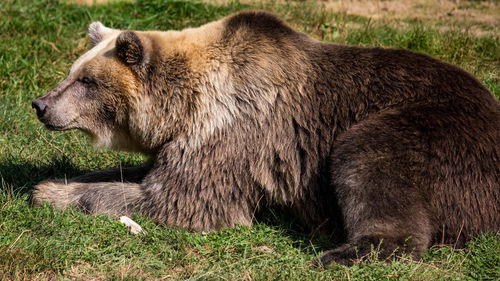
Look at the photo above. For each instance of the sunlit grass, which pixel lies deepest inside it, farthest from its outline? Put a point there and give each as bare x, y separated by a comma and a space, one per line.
38, 42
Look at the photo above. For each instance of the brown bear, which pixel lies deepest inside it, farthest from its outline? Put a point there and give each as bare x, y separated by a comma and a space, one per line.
394, 148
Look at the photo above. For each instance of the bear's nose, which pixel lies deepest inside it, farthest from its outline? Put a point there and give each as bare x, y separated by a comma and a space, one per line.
40, 107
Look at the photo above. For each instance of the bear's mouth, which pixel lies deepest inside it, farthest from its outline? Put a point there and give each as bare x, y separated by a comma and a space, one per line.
54, 127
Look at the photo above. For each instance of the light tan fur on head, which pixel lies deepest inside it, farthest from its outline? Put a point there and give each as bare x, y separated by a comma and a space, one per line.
102, 38
146, 121
97, 32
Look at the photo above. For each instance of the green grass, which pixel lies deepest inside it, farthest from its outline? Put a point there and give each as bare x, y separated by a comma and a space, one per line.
38, 42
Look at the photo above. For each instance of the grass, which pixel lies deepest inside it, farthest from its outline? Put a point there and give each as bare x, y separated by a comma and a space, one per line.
38, 42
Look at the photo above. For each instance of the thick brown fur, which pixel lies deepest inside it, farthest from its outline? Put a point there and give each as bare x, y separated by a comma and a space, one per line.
393, 148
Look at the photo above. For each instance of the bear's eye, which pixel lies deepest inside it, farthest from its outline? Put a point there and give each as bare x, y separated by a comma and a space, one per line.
85, 80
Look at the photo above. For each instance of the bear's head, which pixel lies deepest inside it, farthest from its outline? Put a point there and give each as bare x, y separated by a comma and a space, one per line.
138, 90
114, 93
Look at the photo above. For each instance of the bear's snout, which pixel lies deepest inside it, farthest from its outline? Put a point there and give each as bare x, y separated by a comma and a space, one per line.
40, 107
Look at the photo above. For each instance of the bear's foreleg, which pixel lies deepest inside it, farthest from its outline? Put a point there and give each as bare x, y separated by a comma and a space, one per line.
110, 198
114, 192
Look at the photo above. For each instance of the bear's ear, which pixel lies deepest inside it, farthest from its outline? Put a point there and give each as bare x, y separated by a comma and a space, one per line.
97, 31
129, 48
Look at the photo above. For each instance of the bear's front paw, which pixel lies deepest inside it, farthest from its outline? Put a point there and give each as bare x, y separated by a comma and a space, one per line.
58, 193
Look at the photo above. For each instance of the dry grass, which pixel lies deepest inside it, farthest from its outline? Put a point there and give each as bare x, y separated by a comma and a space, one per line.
482, 11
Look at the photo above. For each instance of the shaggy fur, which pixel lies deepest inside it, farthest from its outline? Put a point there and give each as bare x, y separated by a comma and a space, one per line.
391, 147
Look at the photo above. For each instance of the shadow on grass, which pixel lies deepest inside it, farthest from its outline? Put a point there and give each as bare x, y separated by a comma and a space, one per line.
20, 178
309, 241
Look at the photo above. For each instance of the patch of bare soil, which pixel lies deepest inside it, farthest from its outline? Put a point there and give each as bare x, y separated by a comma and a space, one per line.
482, 17
482, 11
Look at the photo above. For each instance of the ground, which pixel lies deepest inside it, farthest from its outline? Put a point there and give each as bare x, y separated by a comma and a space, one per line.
40, 39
